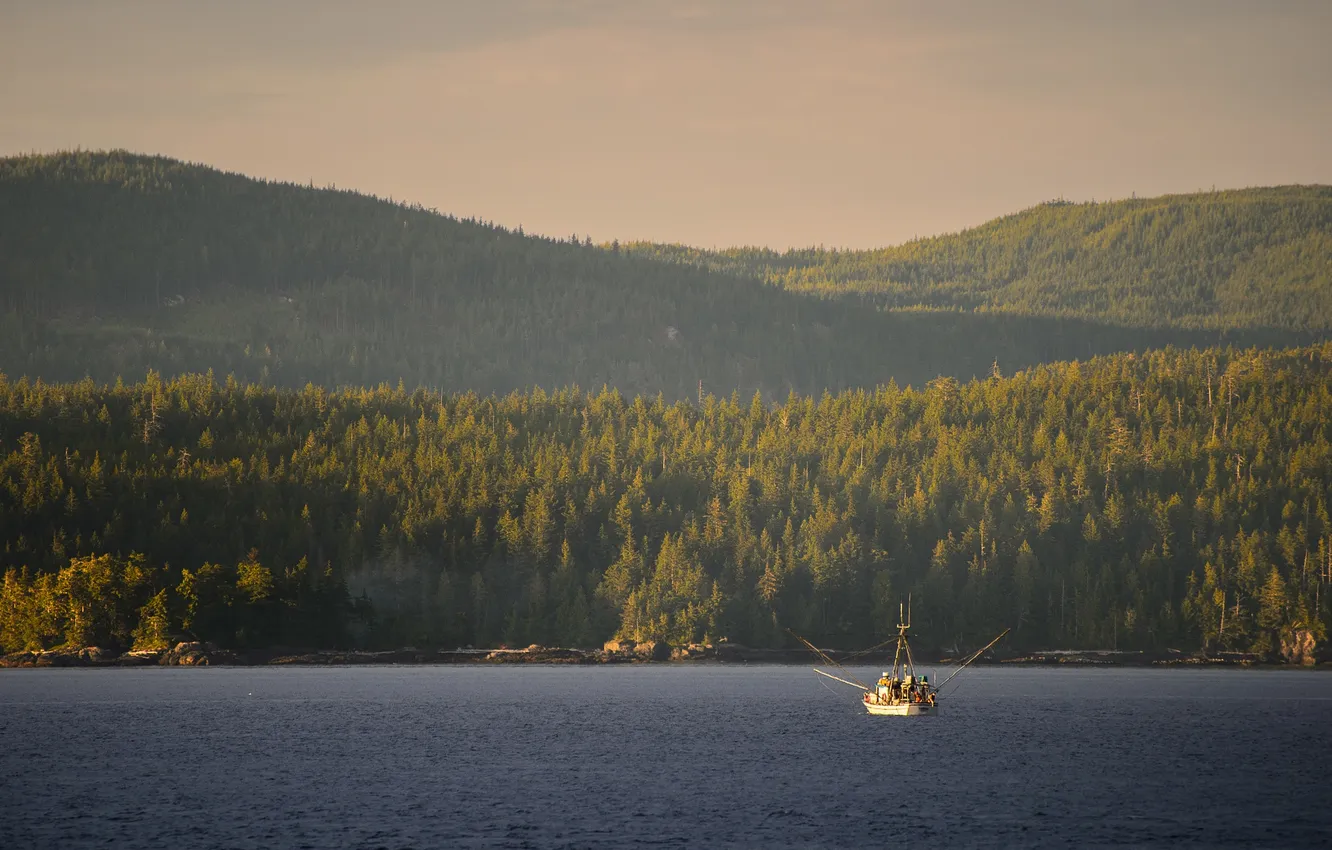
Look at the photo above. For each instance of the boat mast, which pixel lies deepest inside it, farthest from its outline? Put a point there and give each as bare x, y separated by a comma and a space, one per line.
900, 666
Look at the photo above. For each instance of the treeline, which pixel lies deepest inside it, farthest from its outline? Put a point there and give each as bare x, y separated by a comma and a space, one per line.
108, 601
1235, 259
1174, 500
116, 264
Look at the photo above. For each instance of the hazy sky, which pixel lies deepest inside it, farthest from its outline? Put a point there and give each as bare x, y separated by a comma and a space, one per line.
753, 121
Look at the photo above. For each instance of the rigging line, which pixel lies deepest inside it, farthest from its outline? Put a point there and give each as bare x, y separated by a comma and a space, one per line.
824, 685
838, 694
972, 656
956, 688
826, 660
958, 669
820, 654
871, 649
955, 664
910, 661
977, 654
965, 663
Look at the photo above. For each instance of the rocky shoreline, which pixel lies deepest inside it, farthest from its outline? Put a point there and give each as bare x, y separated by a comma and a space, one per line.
202, 654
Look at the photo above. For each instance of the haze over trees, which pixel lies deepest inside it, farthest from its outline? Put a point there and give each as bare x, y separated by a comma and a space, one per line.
1174, 500
831, 462
112, 264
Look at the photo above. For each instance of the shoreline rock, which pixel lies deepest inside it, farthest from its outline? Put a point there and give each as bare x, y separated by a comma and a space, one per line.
205, 654
197, 654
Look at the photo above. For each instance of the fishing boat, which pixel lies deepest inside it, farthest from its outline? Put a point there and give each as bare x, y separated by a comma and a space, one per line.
900, 692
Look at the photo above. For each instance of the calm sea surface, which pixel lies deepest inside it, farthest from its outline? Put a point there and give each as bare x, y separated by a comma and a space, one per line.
532, 756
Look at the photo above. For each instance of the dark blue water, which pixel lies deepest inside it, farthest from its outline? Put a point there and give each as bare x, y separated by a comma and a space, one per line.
529, 756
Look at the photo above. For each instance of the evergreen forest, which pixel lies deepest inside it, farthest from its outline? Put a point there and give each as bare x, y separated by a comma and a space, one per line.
1178, 499
263, 414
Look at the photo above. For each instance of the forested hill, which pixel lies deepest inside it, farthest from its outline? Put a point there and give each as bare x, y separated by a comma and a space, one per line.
1176, 500
1234, 259
112, 264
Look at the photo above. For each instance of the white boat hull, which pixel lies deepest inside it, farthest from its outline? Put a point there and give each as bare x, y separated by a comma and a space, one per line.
902, 709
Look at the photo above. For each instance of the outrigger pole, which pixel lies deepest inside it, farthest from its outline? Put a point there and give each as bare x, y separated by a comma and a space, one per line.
977, 654
823, 656
838, 679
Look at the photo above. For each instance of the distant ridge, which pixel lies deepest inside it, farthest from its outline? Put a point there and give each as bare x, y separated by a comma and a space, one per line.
113, 263
1231, 259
